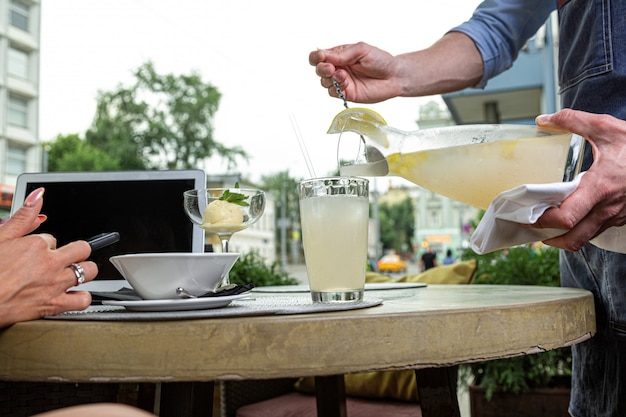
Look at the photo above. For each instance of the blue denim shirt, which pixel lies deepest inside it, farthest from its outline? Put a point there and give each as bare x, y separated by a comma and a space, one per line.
592, 78
500, 28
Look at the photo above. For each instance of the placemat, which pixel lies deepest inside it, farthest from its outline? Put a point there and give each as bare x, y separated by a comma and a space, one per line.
261, 306
369, 286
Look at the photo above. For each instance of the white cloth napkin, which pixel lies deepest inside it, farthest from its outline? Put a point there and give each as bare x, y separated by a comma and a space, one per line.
503, 224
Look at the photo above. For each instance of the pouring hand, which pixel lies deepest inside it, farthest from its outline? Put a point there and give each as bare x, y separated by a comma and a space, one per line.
364, 73
367, 74
599, 202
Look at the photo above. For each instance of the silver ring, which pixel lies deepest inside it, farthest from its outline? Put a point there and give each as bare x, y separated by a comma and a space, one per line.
79, 272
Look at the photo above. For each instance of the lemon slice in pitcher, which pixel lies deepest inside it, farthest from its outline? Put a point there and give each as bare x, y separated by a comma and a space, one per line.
363, 121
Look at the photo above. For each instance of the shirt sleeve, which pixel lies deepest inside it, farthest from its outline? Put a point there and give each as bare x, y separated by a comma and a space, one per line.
500, 28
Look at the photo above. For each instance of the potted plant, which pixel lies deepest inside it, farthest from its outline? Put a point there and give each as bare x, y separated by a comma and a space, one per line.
251, 268
540, 381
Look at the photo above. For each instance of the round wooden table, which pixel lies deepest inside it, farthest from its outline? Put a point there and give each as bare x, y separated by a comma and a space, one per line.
433, 327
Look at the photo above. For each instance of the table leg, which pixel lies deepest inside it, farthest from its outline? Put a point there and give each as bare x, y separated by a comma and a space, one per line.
186, 399
437, 391
330, 395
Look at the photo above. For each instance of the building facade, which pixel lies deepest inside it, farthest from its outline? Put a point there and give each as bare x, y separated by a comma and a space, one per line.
518, 95
441, 223
20, 149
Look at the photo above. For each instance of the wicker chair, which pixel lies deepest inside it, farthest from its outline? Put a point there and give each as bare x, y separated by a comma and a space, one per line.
283, 399
236, 394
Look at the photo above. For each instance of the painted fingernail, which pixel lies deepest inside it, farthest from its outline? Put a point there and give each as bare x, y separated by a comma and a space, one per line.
34, 197
543, 118
42, 218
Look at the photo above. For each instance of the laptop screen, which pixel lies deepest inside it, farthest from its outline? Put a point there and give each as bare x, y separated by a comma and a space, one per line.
144, 207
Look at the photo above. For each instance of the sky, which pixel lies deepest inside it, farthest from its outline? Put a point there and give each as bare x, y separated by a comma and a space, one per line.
254, 52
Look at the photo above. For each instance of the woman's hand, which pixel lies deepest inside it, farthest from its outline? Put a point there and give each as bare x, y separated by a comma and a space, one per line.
34, 274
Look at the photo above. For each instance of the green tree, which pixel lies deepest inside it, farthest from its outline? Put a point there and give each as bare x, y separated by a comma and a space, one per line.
284, 188
71, 153
397, 225
160, 122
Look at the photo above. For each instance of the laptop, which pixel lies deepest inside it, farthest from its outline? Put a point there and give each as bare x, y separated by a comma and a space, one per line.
144, 207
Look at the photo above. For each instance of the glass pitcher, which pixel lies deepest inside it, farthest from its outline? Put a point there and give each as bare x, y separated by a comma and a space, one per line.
468, 163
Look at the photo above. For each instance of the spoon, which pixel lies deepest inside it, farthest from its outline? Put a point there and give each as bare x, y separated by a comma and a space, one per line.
376, 165
180, 291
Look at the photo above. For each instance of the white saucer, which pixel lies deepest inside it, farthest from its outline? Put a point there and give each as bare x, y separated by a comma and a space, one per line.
176, 305
369, 286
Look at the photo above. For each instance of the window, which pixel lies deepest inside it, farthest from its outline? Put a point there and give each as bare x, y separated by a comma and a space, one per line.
19, 15
18, 62
16, 161
18, 111
435, 218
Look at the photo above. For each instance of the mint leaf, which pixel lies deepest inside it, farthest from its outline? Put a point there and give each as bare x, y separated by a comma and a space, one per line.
235, 198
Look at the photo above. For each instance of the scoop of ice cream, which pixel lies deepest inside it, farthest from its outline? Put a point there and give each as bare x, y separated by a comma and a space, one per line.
222, 212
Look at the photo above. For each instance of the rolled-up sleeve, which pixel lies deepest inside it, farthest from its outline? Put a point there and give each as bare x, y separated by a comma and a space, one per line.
500, 28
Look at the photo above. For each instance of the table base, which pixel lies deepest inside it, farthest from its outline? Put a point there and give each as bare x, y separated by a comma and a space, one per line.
437, 388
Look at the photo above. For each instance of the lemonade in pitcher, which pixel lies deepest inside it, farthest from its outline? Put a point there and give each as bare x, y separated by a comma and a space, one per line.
471, 164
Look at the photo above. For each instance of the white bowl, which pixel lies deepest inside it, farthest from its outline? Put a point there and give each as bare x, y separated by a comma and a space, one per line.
155, 276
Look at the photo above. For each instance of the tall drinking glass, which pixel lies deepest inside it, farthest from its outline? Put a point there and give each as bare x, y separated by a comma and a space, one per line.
334, 214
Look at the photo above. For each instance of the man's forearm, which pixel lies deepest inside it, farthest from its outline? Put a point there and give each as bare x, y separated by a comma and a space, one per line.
450, 64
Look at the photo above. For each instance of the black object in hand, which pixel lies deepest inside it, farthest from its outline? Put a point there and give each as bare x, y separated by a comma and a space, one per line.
102, 240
